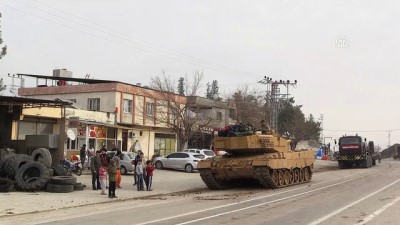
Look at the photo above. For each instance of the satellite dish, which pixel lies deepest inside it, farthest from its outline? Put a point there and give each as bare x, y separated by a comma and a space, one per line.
71, 134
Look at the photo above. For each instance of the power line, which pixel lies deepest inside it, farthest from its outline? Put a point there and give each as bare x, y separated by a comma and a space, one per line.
165, 52
361, 131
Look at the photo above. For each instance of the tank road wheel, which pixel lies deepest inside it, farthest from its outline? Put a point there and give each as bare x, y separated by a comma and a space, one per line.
291, 177
307, 176
301, 175
296, 175
286, 177
275, 177
281, 180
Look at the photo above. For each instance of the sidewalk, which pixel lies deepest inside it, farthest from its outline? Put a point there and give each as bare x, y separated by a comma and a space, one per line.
164, 182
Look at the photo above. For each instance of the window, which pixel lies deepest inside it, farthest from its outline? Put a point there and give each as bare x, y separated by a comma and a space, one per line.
219, 115
150, 109
172, 118
94, 104
127, 106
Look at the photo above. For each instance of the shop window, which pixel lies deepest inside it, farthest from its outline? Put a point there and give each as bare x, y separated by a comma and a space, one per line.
127, 106
94, 104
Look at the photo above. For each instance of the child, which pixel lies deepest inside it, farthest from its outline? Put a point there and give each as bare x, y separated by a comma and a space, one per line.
149, 177
112, 176
139, 172
102, 178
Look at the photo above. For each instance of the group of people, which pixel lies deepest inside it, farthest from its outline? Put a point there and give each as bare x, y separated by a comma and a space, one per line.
143, 172
104, 168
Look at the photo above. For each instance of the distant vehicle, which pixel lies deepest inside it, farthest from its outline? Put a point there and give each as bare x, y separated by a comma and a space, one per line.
179, 160
127, 161
353, 150
206, 152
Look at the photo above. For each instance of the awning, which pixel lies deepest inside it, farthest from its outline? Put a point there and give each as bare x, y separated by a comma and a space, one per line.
105, 124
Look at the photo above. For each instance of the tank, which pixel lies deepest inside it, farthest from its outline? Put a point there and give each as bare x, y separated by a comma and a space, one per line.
267, 158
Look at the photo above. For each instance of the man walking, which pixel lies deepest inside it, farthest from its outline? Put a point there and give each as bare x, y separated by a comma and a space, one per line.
95, 167
82, 154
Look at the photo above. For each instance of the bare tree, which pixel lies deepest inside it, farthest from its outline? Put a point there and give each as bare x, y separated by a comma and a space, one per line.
3, 50
174, 110
2, 86
250, 106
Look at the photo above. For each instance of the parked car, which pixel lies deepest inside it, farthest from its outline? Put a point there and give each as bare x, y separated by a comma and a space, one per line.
179, 160
206, 152
127, 159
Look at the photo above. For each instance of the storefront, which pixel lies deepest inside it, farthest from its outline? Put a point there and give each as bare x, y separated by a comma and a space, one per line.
164, 144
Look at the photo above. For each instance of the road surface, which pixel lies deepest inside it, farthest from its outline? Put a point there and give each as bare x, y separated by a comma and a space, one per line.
350, 196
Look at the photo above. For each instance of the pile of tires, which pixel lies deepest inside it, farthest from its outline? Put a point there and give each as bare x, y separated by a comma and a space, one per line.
34, 172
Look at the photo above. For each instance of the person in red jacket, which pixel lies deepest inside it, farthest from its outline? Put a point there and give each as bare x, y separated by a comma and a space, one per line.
149, 177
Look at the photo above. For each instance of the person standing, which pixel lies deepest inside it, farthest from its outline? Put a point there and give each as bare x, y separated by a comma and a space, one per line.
112, 174
149, 173
103, 179
95, 167
137, 158
82, 154
90, 154
117, 159
139, 174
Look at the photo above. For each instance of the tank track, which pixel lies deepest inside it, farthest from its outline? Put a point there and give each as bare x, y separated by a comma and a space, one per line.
210, 180
264, 175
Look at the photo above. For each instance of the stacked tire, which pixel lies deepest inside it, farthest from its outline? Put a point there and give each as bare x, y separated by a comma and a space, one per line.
61, 184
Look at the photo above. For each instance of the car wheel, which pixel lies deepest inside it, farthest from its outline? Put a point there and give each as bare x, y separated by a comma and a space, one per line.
189, 168
123, 170
159, 165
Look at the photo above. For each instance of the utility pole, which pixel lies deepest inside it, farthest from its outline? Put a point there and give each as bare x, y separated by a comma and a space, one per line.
322, 127
275, 100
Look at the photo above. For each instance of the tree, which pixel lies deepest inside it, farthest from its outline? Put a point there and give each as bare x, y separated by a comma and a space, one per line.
213, 90
2, 86
250, 106
181, 86
174, 110
291, 119
3, 50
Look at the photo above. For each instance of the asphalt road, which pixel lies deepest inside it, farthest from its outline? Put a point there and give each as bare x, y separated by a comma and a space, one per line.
351, 196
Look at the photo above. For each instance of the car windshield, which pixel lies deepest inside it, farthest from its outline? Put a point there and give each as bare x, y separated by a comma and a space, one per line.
199, 156
209, 153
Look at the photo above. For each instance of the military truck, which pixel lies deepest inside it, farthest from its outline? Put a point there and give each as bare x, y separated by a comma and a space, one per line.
267, 158
353, 150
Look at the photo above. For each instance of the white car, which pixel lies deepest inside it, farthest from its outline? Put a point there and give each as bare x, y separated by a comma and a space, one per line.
206, 152
179, 160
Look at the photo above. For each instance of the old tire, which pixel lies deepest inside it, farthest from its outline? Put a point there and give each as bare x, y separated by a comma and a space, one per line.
42, 155
32, 176
18, 161
7, 186
63, 180
3, 162
59, 188
59, 170
79, 187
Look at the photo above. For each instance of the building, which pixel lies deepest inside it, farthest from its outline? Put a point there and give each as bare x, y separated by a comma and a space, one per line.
108, 113
214, 115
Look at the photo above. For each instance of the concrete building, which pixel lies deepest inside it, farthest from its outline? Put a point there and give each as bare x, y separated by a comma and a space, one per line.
109, 113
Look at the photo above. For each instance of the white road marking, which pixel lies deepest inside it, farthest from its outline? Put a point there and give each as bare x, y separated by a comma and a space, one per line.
253, 199
322, 219
377, 212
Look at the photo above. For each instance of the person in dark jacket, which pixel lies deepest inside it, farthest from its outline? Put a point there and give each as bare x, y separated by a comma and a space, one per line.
112, 176
82, 154
94, 167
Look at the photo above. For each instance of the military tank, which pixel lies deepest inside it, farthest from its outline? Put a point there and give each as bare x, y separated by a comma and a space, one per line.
268, 158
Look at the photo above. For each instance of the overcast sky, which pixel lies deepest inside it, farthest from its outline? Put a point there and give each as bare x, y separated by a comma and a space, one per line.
344, 54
